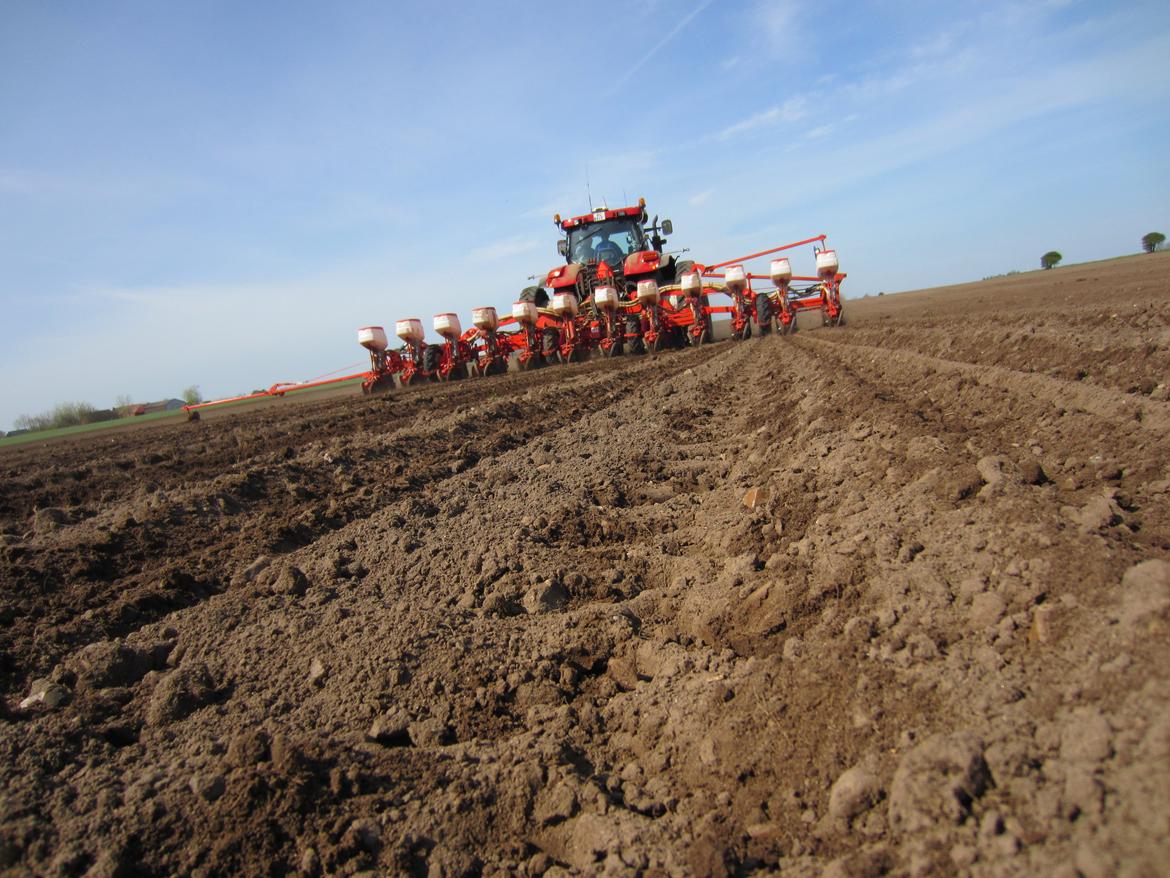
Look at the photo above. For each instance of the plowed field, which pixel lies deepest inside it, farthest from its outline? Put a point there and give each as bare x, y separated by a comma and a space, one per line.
885, 599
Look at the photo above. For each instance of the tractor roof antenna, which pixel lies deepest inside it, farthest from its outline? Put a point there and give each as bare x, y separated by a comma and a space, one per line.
588, 194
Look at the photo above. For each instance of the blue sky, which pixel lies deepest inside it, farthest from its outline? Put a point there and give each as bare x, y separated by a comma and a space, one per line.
221, 193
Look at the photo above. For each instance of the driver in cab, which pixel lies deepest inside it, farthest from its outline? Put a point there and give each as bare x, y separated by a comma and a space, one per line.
599, 248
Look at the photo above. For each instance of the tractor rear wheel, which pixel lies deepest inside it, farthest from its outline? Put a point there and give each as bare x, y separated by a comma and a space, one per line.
536, 295
764, 314
431, 358
634, 341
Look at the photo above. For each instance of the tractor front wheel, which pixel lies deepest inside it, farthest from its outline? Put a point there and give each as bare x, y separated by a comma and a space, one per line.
431, 358
764, 314
634, 340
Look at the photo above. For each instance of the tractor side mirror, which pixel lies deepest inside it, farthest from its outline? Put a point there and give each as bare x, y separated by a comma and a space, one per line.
563, 247
667, 227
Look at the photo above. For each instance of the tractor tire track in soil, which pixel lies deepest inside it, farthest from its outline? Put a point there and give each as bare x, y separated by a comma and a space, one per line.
891, 599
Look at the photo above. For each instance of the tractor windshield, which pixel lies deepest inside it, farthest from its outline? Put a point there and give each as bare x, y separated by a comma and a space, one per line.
611, 241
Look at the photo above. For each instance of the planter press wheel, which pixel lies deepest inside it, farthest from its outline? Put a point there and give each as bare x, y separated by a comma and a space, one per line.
549, 347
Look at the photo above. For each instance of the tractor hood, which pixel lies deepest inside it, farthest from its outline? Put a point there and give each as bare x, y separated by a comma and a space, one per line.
563, 276
641, 262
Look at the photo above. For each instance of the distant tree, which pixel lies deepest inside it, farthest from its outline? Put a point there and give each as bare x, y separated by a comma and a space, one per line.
70, 414
192, 396
1050, 259
30, 422
66, 414
1153, 241
123, 405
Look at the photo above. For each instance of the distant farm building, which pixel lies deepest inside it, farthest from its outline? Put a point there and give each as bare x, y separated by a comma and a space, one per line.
150, 408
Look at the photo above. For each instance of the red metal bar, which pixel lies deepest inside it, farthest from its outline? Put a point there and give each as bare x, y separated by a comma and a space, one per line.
203, 405
275, 390
764, 253
281, 389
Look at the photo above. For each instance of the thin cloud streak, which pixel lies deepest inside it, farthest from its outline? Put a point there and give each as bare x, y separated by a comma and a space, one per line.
792, 110
661, 44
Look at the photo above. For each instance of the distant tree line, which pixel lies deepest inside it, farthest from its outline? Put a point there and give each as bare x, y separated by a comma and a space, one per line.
74, 414
1151, 241
67, 414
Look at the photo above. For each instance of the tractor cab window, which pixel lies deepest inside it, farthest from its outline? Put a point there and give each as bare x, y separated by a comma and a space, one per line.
610, 241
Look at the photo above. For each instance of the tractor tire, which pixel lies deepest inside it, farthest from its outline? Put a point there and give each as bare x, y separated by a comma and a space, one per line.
550, 342
431, 358
681, 267
536, 295
764, 315
636, 344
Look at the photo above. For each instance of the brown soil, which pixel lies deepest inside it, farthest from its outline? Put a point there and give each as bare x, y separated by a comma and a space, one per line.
887, 599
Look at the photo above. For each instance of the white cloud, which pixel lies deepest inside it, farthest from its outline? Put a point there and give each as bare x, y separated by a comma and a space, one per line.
867, 156
792, 110
17, 182
504, 249
553, 205
701, 198
940, 44
779, 20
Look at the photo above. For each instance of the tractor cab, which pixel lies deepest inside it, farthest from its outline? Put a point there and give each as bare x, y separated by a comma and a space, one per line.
609, 241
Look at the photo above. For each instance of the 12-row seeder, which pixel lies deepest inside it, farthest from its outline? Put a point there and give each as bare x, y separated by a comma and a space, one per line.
616, 293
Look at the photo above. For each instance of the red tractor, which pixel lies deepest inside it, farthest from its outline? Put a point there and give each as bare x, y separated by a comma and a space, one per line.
612, 251
617, 292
